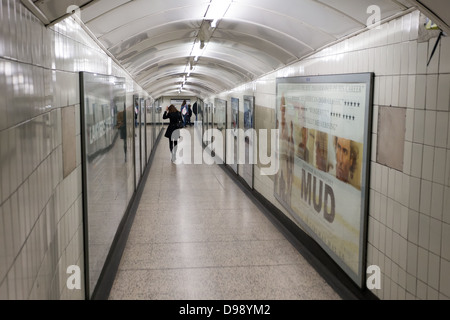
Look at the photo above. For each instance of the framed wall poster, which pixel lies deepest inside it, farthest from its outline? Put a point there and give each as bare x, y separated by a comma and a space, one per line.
323, 150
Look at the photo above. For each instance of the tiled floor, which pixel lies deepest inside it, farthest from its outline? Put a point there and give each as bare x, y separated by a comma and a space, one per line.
197, 236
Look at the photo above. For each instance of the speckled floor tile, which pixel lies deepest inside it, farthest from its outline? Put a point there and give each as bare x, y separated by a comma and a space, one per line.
197, 236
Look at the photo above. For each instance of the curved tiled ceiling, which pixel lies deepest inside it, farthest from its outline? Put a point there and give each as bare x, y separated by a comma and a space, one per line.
154, 40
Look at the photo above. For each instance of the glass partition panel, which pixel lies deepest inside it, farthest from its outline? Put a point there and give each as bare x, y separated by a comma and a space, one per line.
249, 120
198, 118
137, 139
150, 127
209, 120
206, 121
200, 106
220, 122
142, 129
158, 116
107, 131
234, 135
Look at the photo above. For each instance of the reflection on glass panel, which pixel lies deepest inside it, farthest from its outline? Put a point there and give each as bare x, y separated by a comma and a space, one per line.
150, 121
200, 107
234, 126
206, 122
198, 118
249, 120
158, 117
220, 119
142, 128
210, 119
106, 130
137, 139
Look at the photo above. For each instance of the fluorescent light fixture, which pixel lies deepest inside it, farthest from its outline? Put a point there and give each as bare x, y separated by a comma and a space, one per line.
217, 9
198, 49
214, 23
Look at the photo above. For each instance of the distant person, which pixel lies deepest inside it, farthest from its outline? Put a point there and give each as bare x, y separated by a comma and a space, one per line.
122, 127
184, 112
189, 115
175, 119
195, 111
136, 113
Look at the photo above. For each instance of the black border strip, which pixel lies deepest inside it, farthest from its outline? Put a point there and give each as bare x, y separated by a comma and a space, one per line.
307, 247
84, 187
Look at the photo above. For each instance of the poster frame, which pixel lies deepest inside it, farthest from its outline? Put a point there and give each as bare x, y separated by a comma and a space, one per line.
358, 277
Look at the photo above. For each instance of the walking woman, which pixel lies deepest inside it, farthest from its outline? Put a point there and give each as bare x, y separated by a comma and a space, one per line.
175, 117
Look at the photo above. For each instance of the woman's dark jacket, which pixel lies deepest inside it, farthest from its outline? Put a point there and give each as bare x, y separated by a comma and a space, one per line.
175, 118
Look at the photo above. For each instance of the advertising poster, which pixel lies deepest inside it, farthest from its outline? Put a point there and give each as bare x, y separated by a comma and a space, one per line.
324, 130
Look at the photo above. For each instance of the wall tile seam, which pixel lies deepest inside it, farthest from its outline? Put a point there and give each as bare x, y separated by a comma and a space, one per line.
35, 228
433, 180
385, 254
411, 175
378, 74
47, 111
425, 282
388, 277
360, 48
28, 239
380, 105
387, 195
45, 68
70, 216
309, 59
427, 249
38, 279
57, 273
31, 280
35, 171
35, 118
34, 269
93, 46
388, 227
378, 252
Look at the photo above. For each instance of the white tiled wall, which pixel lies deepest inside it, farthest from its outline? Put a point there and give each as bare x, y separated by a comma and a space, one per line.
409, 214
40, 212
